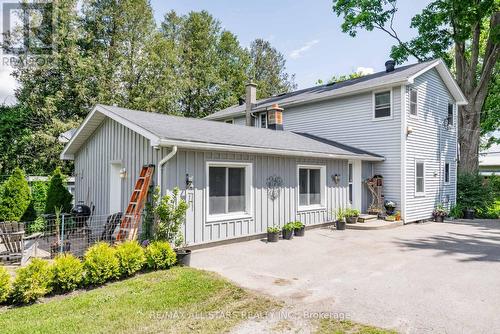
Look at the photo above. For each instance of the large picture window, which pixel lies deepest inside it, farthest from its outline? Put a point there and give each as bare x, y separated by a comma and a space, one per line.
382, 104
311, 186
228, 189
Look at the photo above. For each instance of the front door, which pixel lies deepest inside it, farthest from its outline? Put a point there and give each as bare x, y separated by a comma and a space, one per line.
115, 188
354, 177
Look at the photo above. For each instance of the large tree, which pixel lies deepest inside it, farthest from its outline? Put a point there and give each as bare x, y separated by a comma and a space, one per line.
443, 26
268, 70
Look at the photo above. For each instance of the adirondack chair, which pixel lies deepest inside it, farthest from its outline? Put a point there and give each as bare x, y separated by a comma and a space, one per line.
19, 248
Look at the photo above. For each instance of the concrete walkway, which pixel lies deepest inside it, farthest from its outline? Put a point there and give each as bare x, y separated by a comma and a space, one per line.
419, 278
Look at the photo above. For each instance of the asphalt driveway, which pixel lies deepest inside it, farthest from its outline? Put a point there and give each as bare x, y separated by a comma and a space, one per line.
425, 278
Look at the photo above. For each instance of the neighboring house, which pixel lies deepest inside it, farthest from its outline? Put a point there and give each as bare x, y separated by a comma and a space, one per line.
489, 161
236, 180
406, 114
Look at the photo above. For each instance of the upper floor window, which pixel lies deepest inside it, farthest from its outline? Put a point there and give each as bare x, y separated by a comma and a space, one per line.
263, 120
413, 102
382, 104
450, 113
229, 121
311, 185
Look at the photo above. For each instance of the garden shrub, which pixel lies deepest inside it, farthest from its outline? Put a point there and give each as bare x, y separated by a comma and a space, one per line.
14, 196
39, 195
38, 225
159, 255
130, 257
68, 273
100, 264
32, 282
30, 213
169, 212
4, 284
473, 192
57, 194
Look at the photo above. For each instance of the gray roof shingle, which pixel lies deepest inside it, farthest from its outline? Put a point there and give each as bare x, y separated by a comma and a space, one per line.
192, 130
330, 90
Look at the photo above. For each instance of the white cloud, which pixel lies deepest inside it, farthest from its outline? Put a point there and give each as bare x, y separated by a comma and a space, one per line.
298, 52
7, 85
365, 70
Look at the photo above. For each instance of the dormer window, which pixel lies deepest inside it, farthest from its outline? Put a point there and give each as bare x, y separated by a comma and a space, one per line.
382, 105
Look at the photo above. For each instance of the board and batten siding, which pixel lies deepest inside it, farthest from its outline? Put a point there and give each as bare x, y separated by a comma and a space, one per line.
432, 143
112, 142
349, 120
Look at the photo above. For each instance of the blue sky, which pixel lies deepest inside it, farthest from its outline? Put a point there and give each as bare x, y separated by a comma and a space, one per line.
308, 33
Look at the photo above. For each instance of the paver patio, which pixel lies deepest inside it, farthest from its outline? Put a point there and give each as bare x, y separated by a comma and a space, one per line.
419, 278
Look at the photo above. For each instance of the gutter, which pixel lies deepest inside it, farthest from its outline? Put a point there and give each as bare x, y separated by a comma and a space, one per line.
163, 161
259, 150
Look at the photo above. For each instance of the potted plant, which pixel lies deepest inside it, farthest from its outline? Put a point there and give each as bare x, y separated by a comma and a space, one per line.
299, 229
273, 233
340, 219
398, 215
169, 212
351, 215
439, 213
287, 231
390, 206
390, 218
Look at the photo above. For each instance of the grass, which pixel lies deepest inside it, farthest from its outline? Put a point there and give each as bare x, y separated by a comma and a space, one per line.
179, 300
331, 326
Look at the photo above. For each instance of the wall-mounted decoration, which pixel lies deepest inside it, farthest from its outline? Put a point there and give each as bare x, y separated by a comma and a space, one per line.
274, 184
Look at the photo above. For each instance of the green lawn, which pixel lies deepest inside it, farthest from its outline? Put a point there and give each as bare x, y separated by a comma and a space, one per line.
179, 300
330, 326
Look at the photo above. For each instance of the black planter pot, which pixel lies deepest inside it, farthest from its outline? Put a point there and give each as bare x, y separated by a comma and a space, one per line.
352, 220
438, 219
273, 236
340, 224
287, 234
183, 257
299, 232
468, 213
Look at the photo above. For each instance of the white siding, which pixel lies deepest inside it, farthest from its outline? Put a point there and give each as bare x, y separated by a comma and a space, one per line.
114, 142
431, 142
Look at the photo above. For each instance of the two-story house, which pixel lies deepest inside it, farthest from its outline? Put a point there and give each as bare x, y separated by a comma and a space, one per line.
296, 156
406, 114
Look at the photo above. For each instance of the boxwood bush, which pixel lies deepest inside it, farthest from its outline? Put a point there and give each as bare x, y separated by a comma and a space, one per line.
32, 282
4, 284
130, 257
159, 255
100, 264
68, 273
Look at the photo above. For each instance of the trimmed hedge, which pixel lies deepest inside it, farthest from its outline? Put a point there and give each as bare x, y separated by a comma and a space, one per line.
159, 255
130, 257
68, 273
100, 264
32, 282
4, 284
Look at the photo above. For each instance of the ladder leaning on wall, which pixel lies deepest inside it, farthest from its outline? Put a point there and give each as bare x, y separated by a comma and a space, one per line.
131, 220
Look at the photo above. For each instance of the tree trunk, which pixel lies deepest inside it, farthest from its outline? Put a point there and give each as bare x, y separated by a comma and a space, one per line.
469, 134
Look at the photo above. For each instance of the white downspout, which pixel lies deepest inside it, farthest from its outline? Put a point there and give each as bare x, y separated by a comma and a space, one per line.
162, 162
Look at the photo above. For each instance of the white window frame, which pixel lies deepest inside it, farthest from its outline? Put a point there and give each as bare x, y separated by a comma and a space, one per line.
322, 187
247, 213
420, 193
410, 103
391, 107
229, 121
263, 115
449, 172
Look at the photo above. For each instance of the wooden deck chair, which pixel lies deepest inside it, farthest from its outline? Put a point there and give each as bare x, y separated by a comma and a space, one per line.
18, 247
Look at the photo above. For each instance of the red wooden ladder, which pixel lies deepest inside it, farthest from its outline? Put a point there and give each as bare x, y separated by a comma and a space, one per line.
131, 220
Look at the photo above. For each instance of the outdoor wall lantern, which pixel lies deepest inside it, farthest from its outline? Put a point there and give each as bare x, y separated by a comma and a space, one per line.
123, 173
189, 181
336, 178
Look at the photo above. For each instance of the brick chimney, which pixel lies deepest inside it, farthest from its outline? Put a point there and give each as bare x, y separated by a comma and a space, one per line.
250, 99
275, 117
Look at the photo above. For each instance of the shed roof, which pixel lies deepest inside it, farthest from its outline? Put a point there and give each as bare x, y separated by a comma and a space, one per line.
191, 133
400, 75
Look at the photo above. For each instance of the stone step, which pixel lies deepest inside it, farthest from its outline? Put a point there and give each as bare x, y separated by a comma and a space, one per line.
365, 217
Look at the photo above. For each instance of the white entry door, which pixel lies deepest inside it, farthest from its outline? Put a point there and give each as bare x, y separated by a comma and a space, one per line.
354, 177
115, 188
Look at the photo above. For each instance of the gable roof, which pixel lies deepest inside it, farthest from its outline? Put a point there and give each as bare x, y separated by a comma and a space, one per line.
191, 133
400, 75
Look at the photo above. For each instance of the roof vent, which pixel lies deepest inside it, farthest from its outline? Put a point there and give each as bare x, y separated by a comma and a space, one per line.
389, 65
